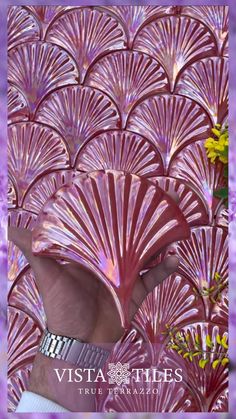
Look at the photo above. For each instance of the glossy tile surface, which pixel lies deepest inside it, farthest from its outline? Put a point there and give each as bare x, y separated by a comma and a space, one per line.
136, 90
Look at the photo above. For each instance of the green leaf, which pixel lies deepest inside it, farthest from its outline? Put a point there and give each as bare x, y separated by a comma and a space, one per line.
226, 171
221, 193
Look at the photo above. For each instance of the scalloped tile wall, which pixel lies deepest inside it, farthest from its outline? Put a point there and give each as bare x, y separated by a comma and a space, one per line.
133, 88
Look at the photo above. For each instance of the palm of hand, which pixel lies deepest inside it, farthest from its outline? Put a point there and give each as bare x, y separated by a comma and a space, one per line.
76, 303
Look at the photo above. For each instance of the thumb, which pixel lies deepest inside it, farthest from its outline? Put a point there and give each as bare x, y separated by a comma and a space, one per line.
157, 275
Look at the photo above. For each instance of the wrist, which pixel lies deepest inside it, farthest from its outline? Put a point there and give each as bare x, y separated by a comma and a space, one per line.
62, 366
74, 351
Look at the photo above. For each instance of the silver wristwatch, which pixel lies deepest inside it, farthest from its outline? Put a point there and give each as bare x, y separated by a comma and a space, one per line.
74, 351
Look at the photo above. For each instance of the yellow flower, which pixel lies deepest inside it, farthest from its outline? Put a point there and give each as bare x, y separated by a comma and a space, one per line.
217, 276
217, 147
215, 363
216, 132
223, 159
224, 361
224, 342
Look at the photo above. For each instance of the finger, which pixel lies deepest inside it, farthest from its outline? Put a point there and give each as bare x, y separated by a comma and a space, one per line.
45, 269
21, 237
157, 275
173, 195
150, 280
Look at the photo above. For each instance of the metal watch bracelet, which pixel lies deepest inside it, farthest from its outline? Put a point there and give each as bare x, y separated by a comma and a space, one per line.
74, 351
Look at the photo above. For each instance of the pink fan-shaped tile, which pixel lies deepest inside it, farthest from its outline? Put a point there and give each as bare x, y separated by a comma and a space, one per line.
221, 402
206, 81
117, 222
25, 296
220, 311
45, 15
225, 50
215, 17
142, 396
16, 260
52, 66
188, 123
127, 77
87, 34
189, 201
222, 217
45, 187
21, 26
173, 302
120, 150
17, 106
175, 42
202, 256
33, 150
133, 18
17, 383
11, 194
193, 166
130, 349
208, 383
78, 113
23, 339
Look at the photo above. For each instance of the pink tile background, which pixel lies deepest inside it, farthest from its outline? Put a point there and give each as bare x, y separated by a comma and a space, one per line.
178, 170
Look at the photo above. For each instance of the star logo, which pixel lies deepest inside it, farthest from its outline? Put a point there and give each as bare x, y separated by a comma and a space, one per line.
119, 373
